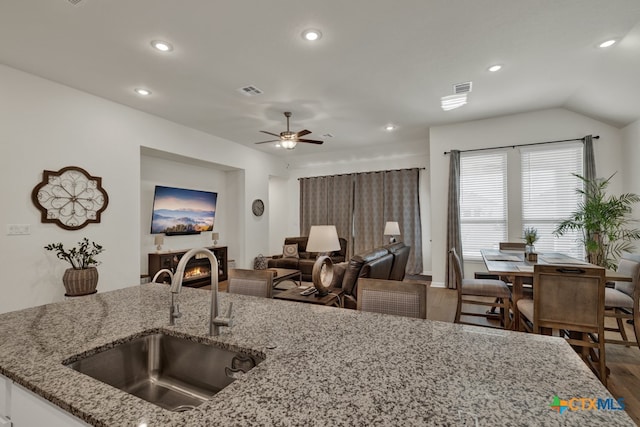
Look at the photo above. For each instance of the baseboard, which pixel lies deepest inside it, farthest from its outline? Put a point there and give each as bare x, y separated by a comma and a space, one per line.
437, 284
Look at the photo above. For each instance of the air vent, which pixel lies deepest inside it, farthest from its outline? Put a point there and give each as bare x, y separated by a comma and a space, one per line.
327, 135
250, 91
74, 2
462, 87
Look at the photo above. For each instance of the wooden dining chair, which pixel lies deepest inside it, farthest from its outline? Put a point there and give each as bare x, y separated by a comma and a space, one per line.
257, 283
392, 297
514, 246
477, 291
621, 302
570, 300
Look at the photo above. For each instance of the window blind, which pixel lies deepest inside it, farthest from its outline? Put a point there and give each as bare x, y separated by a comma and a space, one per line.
483, 201
549, 194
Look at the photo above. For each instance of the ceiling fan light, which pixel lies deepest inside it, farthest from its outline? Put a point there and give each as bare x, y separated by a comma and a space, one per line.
289, 144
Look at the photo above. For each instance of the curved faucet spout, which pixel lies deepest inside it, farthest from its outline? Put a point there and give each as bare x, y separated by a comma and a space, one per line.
215, 321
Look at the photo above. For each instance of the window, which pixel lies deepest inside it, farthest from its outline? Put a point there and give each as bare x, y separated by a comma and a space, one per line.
483, 201
549, 194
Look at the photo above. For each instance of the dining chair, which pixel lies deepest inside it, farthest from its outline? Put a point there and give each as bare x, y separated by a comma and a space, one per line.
621, 302
257, 283
476, 291
392, 297
570, 300
514, 246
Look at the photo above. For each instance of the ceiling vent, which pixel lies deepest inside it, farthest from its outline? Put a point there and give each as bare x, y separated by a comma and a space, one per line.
462, 87
74, 2
327, 135
250, 91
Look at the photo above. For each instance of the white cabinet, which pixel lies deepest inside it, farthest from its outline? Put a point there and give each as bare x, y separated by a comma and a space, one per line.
30, 410
5, 399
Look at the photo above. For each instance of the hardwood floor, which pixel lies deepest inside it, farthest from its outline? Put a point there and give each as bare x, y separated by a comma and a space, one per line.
624, 362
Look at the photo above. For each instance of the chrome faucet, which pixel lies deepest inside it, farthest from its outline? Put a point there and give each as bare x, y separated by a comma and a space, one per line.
174, 310
215, 321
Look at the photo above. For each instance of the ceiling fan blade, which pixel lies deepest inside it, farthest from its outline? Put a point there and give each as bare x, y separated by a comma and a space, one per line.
271, 133
264, 142
312, 141
303, 133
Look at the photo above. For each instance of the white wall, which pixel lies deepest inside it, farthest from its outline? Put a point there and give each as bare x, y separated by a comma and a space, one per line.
401, 157
539, 126
44, 125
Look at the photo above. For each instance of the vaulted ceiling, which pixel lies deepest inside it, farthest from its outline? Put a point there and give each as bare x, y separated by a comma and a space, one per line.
378, 62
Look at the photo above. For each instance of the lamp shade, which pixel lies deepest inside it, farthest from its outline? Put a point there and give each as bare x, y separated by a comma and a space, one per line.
158, 239
391, 228
323, 238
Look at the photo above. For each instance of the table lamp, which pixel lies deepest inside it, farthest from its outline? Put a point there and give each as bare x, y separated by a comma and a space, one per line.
324, 240
215, 237
158, 240
391, 228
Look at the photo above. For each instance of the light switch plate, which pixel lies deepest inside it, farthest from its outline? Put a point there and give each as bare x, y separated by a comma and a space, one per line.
18, 229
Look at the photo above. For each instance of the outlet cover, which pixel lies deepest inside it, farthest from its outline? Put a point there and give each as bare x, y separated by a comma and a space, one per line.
18, 229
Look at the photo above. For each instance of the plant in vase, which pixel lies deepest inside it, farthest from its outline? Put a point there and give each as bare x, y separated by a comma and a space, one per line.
530, 238
604, 221
82, 277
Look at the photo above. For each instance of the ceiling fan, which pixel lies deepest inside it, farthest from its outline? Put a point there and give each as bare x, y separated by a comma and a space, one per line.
289, 139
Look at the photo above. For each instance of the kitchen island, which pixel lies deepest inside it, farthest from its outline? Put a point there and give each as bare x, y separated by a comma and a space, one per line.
323, 366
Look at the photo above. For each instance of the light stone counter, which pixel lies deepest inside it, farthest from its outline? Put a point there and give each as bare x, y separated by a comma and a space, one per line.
330, 367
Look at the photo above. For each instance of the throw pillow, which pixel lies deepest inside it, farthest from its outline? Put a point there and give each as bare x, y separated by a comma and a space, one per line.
290, 251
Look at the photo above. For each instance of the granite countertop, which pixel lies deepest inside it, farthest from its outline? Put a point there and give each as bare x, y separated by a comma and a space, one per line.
329, 366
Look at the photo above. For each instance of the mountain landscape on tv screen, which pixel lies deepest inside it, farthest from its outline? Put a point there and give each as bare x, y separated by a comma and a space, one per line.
181, 221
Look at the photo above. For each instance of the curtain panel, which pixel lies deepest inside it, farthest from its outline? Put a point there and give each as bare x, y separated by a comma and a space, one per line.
359, 206
402, 204
454, 237
589, 166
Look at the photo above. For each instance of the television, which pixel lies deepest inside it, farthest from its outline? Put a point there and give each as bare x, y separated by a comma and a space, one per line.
182, 211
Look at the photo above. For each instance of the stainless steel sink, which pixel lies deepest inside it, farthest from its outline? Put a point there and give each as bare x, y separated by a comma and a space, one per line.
174, 373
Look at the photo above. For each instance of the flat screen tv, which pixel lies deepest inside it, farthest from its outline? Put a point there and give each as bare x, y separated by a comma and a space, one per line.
182, 211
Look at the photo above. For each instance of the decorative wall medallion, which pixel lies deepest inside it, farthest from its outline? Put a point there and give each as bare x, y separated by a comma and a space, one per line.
257, 207
70, 197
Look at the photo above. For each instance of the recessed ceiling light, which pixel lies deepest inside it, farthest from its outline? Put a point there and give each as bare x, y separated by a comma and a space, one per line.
311, 35
390, 127
608, 43
142, 91
495, 68
162, 46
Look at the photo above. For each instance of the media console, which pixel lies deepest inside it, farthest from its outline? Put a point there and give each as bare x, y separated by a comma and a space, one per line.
198, 270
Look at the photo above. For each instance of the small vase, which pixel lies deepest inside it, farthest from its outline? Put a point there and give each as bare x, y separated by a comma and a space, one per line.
80, 282
529, 249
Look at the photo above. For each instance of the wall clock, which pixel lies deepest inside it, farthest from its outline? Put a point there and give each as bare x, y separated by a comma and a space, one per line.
70, 198
257, 207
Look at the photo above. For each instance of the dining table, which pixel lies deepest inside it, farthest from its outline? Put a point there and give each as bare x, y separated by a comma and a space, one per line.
514, 265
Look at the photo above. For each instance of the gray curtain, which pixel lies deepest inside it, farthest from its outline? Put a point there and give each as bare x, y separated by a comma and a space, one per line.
454, 238
313, 203
369, 220
327, 200
589, 159
340, 207
402, 204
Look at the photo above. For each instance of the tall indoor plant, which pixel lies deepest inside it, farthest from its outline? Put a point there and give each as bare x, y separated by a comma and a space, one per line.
82, 277
604, 222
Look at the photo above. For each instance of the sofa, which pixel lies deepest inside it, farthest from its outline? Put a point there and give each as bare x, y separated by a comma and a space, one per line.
387, 262
305, 260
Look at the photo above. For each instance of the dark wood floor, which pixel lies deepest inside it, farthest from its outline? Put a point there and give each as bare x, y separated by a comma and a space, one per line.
624, 362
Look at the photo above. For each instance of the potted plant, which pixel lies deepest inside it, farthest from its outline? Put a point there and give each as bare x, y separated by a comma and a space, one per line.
82, 277
604, 222
530, 237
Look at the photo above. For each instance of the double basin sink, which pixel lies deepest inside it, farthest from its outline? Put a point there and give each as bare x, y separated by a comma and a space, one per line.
172, 372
